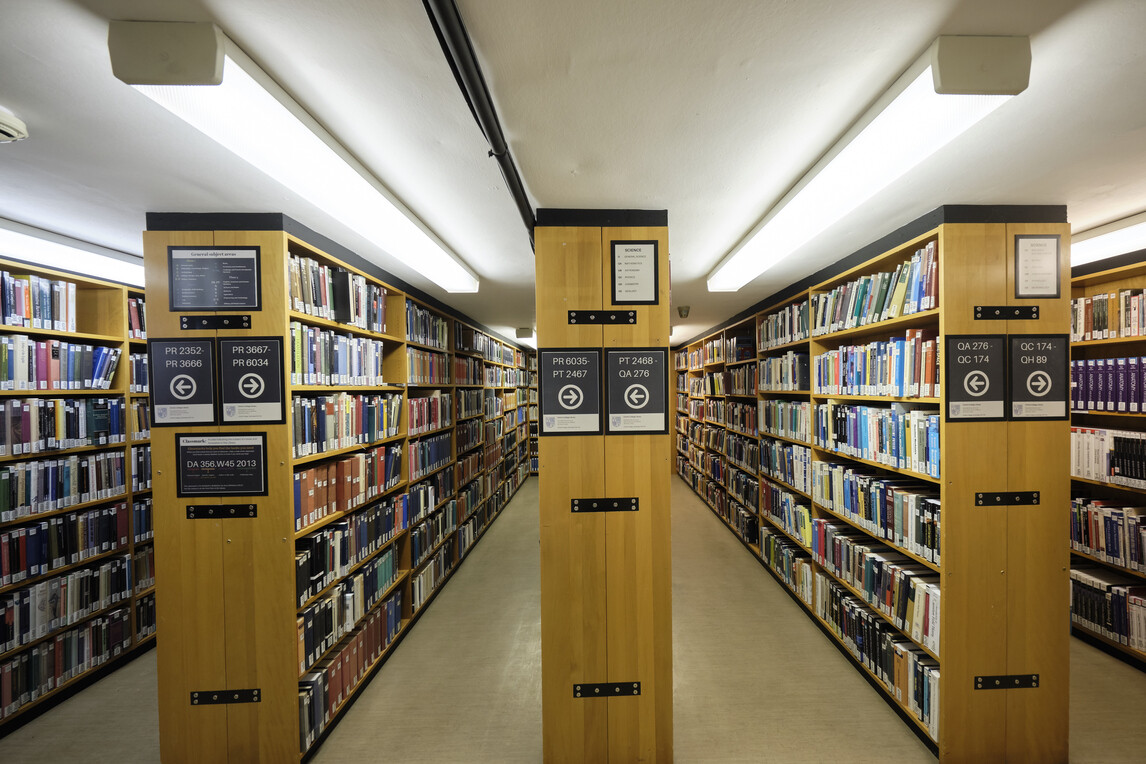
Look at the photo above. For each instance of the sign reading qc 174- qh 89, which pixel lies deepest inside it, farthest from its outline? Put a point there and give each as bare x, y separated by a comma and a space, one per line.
569, 383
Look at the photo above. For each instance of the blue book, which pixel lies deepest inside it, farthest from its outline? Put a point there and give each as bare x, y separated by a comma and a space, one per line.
1133, 385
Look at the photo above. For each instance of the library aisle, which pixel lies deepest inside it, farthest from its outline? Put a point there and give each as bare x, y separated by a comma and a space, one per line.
748, 669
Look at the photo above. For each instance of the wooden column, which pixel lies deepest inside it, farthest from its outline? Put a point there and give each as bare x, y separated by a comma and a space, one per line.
606, 583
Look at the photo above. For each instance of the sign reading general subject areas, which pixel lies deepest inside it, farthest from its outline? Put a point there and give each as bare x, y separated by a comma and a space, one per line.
636, 389
221, 465
251, 380
213, 278
975, 377
1040, 376
569, 384
182, 382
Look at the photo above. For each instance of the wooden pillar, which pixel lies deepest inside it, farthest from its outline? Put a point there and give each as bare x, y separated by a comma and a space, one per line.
606, 583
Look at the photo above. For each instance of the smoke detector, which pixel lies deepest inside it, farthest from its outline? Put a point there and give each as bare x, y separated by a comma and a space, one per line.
12, 128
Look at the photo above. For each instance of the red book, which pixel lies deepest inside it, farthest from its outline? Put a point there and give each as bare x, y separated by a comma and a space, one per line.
121, 522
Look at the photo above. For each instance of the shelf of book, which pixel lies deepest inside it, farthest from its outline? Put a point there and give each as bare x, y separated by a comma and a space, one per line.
64, 392
887, 315
405, 376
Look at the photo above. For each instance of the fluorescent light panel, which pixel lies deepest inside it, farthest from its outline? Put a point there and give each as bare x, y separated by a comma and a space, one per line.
50, 250
241, 115
915, 125
1118, 238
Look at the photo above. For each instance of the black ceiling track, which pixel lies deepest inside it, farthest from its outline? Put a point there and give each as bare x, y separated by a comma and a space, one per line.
455, 42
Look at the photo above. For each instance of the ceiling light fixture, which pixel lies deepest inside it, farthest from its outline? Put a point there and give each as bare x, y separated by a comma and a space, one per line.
955, 84
46, 249
200, 76
1117, 238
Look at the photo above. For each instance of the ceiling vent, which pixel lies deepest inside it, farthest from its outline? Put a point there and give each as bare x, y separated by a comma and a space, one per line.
12, 128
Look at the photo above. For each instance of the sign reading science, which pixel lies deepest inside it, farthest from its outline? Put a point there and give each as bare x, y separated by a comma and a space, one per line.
569, 384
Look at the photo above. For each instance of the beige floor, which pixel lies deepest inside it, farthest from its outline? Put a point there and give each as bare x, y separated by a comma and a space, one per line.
755, 680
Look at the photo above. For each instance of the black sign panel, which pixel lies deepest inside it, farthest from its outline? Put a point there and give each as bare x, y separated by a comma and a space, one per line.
182, 382
251, 380
569, 388
221, 465
1040, 376
636, 273
636, 389
214, 278
975, 377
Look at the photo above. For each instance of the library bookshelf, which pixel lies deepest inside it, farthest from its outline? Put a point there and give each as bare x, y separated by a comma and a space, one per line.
1108, 418
387, 466
77, 595
531, 379
853, 487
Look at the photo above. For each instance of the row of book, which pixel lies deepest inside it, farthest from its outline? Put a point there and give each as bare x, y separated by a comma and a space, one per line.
742, 380
343, 484
425, 327
786, 510
139, 419
424, 497
136, 318
743, 487
912, 287
425, 537
139, 371
714, 438
37, 302
903, 590
790, 563
430, 412
144, 616
904, 367
46, 485
470, 340
696, 387
743, 452
427, 367
741, 347
1107, 316
1108, 456
696, 409
48, 665
341, 420
492, 404
36, 425
327, 555
324, 689
716, 383
37, 610
901, 512
787, 463
469, 403
1109, 603
714, 410
429, 454
1108, 530
786, 419
713, 466
143, 568
324, 357
468, 371
38, 548
787, 325
423, 585
141, 468
906, 671
469, 499
142, 523
470, 435
30, 364
741, 418
1108, 384
890, 435
336, 294
784, 373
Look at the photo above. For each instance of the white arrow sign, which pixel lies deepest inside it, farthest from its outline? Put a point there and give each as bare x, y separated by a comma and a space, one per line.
637, 396
976, 383
570, 397
251, 385
1038, 383
183, 387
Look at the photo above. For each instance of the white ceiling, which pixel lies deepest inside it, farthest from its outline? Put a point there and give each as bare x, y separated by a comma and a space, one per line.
711, 110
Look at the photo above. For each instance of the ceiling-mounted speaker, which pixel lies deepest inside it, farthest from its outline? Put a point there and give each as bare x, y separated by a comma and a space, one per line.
524, 333
166, 52
12, 128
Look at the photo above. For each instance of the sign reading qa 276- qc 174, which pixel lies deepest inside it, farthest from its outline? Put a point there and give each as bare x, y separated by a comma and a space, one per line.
569, 383
636, 385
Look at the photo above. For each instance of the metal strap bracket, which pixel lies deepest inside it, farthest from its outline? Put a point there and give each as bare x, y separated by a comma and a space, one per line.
221, 511
602, 316
215, 322
1007, 682
1007, 498
1006, 312
606, 690
222, 697
626, 504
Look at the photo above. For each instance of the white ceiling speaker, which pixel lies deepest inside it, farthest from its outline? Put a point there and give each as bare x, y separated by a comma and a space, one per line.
12, 128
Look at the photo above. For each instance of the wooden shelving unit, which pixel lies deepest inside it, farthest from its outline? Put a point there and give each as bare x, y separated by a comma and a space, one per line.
823, 489
1107, 348
403, 480
53, 539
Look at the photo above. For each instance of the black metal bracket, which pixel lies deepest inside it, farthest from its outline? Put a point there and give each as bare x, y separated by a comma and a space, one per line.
222, 697
1007, 498
215, 322
1006, 312
602, 316
220, 511
606, 690
626, 504
1007, 682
